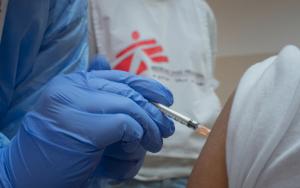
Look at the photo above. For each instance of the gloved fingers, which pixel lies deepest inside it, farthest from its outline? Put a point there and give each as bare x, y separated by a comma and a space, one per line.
118, 127
149, 88
126, 128
166, 126
90, 100
98, 130
99, 62
119, 164
110, 103
117, 169
87, 99
118, 151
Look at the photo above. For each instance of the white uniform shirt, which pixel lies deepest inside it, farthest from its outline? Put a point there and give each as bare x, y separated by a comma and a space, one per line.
172, 41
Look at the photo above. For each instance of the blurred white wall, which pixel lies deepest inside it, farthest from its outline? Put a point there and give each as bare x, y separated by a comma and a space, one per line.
256, 26
248, 32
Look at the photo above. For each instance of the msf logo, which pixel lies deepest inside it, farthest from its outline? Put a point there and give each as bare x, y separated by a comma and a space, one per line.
139, 55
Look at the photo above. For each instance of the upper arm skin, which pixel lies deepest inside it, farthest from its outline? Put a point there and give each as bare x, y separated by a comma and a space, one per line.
210, 168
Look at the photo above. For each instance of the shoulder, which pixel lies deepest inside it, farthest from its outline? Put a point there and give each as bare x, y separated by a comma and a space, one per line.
267, 92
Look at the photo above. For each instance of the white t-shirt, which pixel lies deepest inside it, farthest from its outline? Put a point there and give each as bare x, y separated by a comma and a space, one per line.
263, 142
172, 41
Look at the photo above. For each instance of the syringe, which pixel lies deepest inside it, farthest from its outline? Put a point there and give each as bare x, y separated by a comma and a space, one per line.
183, 119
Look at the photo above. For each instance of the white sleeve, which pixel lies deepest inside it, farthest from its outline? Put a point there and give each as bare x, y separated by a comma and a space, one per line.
263, 143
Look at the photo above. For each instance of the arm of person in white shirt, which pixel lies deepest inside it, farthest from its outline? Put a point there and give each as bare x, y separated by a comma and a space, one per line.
210, 168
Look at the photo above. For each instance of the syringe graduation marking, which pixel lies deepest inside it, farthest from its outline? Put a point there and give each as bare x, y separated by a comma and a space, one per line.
182, 119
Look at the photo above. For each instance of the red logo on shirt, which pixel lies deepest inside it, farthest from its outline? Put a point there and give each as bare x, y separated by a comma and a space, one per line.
133, 58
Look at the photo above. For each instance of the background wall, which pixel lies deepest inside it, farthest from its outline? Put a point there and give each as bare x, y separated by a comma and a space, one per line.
256, 26
248, 32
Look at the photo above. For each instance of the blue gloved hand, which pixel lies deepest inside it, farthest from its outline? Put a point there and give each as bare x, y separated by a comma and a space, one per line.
81, 120
116, 163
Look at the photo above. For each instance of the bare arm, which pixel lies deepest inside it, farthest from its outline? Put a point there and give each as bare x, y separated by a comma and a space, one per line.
210, 168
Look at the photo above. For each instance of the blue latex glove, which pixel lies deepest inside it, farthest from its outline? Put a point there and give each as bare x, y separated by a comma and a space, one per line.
78, 119
114, 156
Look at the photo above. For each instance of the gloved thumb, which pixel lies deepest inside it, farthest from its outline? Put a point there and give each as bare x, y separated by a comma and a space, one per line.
99, 62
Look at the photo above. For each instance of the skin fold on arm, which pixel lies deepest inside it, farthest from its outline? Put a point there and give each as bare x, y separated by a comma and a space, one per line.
210, 168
